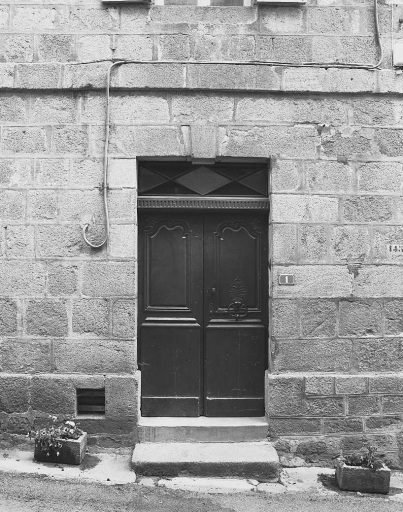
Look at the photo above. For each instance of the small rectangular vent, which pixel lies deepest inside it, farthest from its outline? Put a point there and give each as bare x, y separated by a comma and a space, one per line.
91, 401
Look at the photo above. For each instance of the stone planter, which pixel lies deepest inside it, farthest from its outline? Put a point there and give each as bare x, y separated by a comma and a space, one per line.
71, 452
361, 479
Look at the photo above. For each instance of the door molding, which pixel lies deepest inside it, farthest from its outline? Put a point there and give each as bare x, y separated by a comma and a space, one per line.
202, 203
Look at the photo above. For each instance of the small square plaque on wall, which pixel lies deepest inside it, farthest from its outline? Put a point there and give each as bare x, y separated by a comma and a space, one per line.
286, 279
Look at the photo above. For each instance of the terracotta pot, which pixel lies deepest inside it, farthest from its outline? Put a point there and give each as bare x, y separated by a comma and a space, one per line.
361, 479
72, 451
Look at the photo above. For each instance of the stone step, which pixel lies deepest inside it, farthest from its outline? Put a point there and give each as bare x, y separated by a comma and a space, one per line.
245, 460
201, 430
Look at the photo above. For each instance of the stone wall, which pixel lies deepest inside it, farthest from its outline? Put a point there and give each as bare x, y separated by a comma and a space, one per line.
334, 140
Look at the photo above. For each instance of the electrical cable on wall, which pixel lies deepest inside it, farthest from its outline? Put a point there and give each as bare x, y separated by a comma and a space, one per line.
120, 62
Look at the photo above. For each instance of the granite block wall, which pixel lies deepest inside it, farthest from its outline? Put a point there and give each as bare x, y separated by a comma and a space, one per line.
334, 141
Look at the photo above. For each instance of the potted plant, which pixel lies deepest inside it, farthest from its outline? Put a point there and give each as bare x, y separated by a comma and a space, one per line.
363, 472
64, 443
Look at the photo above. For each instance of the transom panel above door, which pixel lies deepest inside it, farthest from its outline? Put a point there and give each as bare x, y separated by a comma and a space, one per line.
202, 312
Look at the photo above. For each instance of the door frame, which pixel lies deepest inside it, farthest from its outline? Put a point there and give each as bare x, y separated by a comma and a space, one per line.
181, 203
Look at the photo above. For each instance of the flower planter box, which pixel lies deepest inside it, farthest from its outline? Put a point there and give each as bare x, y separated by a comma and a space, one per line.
362, 479
72, 451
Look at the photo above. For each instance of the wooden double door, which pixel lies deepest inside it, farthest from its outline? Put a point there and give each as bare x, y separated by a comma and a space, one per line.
202, 313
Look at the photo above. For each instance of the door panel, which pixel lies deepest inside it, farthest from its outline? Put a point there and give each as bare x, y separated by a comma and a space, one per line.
202, 313
170, 314
235, 261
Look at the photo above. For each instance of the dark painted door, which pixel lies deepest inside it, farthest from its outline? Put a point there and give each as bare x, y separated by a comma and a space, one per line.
202, 313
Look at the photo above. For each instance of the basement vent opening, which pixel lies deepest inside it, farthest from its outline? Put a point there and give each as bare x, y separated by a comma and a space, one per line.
91, 401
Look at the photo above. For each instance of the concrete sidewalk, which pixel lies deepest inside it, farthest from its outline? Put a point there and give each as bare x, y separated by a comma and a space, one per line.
113, 467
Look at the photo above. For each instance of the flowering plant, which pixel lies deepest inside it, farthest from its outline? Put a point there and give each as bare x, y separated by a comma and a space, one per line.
49, 439
367, 460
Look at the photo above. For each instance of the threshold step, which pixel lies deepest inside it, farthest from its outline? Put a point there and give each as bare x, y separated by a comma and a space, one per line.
201, 430
246, 460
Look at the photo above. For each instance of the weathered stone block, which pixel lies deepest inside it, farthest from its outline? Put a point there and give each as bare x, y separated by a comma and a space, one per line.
285, 243
313, 243
85, 76
4, 16
312, 355
25, 140
291, 49
174, 47
160, 76
52, 108
286, 322
328, 176
52, 172
7, 74
121, 396
263, 141
384, 384
374, 113
93, 356
149, 140
371, 355
71, 139
203, 76
318, 318
8, 317
91, 316
22, 278
53, 394
368, 209
94, 47
203, 141
136, 109
304, 208
123, 241
15, 172
13, 109
333, 20
124, 319
33, 17
46, 317
360, 318
380, 177
282, 19
342, 425
18, 47
379, 281
204, 108
56, 48
11, 205
85, 19
81, 206
312, 451
350, 243
122, 173
286, 175
389, 141
66, 240
314, 281
363, 405
25, 356
325, 407
319, 385
42, 205
122, 206
392, 404
393, 312
393, 423
194, 15
38, 76
346, 385
284, 395
346, 145
87, 173
109, 279
14, 393
294, 426
20, 241
62, 279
